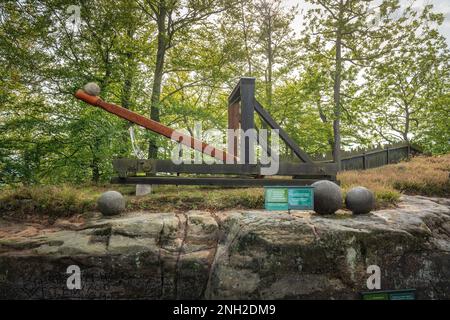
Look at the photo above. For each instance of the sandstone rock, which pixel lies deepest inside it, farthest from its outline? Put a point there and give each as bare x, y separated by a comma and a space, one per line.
92, 89
360, 200
111, 203
237, 254
327, 197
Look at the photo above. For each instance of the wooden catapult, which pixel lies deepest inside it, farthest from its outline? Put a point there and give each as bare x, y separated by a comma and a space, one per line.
240, 171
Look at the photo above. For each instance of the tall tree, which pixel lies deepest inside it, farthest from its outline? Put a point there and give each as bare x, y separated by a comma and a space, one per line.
172, 17
275, 39
352, 33
402, 89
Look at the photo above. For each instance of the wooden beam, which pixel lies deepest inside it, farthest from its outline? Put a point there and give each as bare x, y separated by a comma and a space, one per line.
155, 127
229, 182
133, 166
234, 116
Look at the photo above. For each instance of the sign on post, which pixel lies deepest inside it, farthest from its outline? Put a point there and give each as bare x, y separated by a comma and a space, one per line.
301, 198
289, 198
406, 294
276, 198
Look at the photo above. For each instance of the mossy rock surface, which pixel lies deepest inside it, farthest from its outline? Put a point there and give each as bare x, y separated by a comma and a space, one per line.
237, 254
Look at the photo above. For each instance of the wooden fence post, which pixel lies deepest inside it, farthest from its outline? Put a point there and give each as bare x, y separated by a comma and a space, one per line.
387, 154
364, 161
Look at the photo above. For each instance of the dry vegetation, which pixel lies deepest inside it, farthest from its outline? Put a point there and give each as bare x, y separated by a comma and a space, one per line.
428, 176
422, 175
69, 200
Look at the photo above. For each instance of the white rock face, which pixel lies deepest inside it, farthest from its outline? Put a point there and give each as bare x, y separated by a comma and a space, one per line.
111, 203
92, 89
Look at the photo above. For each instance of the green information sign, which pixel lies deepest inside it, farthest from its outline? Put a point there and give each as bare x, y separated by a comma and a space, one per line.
407, 294
276, 194
287, 198
301, 198
375, 296
402, 296
276, 206
276, 198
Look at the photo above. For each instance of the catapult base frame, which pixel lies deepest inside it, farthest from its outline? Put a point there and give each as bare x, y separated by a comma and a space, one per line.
132, 171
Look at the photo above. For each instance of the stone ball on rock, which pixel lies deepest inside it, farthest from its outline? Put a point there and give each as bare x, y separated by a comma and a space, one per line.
92, 89
360, 200
111, 203
327, 197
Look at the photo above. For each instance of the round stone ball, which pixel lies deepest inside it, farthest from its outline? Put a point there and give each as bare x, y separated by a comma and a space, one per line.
111, 203
92, 89
327, 197
360, 200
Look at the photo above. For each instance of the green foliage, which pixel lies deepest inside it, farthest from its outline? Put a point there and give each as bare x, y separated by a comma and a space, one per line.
386, 198
407, 93
169, 199
48, 137
68, 200
54, 201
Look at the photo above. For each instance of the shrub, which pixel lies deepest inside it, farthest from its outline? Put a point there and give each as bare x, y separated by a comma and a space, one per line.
428, 176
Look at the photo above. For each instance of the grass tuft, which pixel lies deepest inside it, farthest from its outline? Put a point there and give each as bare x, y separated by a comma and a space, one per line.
49, 200
428, 176
170, 198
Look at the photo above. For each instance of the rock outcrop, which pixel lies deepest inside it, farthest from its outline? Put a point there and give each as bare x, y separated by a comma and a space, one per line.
231, 255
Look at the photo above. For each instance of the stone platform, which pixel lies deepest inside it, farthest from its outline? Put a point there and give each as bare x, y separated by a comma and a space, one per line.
242, 254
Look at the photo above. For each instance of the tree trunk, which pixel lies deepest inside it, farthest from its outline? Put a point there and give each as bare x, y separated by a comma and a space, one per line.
95, 171
157, 77
124, 148
324, 119
337, 95
95, 162
95, 148
247, 49
269, 87
407, 124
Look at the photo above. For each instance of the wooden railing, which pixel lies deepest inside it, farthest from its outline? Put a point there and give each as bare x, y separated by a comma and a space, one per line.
373, 158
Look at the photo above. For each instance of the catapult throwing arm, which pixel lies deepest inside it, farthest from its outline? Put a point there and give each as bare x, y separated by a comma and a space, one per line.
155, 127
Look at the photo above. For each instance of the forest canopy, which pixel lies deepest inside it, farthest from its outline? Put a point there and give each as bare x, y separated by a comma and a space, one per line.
336, 74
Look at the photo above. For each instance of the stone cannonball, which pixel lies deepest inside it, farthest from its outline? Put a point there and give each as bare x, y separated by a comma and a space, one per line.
327, 197
111, 203
360, 200
92, 89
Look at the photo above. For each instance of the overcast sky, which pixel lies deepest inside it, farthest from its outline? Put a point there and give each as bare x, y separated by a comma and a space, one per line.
441, 6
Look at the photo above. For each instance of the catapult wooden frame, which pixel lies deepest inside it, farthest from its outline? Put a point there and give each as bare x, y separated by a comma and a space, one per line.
242, 107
